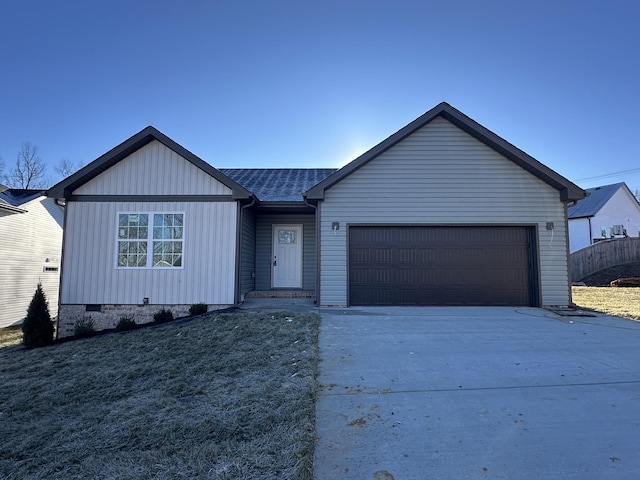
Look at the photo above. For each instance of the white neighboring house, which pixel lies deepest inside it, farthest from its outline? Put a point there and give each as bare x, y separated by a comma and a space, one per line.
609, 211
30, 251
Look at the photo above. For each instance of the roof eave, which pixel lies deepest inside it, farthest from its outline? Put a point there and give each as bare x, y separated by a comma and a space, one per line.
10, 208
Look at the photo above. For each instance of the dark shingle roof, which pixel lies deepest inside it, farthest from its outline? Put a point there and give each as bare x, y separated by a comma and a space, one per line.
278, 184
596, 199
18, 196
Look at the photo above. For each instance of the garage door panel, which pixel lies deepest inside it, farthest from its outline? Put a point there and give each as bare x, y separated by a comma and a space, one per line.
441, 266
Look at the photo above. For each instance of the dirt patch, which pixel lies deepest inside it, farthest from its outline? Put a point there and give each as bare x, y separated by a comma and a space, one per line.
604, 277
360, 422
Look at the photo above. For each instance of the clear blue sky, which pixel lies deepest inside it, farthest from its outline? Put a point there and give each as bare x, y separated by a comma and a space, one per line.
294, 83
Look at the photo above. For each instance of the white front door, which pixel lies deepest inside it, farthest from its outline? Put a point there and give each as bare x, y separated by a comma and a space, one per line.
287, 256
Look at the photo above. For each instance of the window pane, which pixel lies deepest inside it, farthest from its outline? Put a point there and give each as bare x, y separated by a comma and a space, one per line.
167, 254
132, 254
142, 260
167, 226
133, 244
286, 236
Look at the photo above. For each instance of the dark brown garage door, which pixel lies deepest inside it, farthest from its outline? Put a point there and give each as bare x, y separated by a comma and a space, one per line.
442, 266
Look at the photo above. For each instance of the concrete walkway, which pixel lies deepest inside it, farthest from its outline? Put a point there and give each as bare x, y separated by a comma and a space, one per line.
477, 393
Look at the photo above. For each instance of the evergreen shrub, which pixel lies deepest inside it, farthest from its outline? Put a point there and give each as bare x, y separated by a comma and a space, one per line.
126, 322
163, 316
37, 327
198, 309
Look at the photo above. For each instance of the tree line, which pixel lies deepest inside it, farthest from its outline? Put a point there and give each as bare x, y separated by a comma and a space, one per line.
30, 171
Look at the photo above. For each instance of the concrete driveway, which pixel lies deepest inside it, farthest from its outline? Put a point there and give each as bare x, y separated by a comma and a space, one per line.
477, 393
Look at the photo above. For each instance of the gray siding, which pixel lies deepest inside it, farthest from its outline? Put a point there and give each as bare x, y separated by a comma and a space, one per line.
264, 246
248, 252
29, 243
437, 176
90, 275
153, 170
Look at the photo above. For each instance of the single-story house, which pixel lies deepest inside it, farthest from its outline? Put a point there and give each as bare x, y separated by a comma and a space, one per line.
608, 211
443, 212
30, 251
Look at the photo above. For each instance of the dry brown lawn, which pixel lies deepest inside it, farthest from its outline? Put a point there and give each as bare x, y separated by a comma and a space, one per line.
10, 336
217, 397
622, 302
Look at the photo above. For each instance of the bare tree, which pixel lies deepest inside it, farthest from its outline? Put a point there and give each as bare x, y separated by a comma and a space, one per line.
29, 169
66, 167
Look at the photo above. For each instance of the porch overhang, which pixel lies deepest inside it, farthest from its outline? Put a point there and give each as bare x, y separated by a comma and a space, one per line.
284, 208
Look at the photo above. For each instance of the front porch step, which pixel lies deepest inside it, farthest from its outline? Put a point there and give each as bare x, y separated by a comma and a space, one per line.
279, 294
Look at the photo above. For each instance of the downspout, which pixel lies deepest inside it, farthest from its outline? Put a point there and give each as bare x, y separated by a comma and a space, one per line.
566, 241
61, 203
317, 252
239, 249
590, 231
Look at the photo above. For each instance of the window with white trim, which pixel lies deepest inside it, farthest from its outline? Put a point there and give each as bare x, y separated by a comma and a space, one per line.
150, 240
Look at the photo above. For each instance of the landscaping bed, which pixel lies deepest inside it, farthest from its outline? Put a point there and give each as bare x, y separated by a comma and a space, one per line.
604, 277
222, 396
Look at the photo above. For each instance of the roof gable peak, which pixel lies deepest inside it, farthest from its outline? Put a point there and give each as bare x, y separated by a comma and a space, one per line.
568, 190
64, 188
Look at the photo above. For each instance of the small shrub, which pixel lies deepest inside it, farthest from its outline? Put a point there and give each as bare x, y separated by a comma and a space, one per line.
198, 309
84, 328
37, 327
126, 322
163, 316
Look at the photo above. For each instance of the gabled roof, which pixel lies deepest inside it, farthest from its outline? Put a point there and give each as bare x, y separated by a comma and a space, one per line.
568, 190
12, 198
278, 184
596, 199
64, 188
19, 196
7, 207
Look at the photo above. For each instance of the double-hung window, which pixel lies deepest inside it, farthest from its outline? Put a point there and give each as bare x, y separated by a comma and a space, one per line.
150, 240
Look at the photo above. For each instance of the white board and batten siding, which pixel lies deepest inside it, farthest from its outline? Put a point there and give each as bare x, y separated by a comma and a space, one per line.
30, 250
153, 170
441, 175
90, 273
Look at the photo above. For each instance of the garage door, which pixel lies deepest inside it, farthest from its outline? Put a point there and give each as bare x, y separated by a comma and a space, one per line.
412, 265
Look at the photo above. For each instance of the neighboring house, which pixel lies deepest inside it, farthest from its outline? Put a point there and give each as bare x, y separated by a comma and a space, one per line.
30, 250
443, 212
609, 211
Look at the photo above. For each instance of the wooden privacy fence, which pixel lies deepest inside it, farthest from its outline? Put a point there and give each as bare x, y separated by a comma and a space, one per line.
601, 255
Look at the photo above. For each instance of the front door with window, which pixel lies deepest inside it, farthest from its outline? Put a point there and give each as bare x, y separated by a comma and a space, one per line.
287, 256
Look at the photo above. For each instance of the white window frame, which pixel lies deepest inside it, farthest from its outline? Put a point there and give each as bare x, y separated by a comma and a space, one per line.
149, 240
